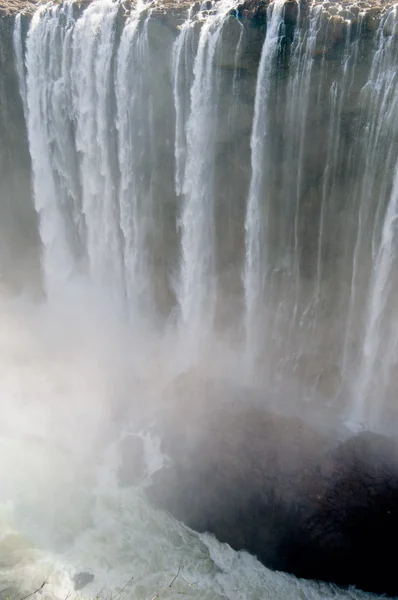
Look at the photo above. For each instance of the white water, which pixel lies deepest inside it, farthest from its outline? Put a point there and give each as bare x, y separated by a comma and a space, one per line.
256, 223
152, 233
95, 125
61, 508
136, 138
181, 80
298, 91
91, 84
373, 342
197, 293
49, 164
378, 350
19, 60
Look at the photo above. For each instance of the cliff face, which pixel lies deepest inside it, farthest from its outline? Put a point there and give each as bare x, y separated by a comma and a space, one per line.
300, 501
19, 264
111, 133
325, 129
337, 15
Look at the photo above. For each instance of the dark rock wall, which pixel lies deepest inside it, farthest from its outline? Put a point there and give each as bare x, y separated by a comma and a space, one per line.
19, 245
302, 502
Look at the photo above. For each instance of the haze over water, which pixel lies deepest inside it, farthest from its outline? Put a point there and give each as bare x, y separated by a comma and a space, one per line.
202, 209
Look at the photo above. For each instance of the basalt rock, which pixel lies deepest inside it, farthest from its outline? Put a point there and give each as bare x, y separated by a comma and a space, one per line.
80, 580
349, 533
274, 486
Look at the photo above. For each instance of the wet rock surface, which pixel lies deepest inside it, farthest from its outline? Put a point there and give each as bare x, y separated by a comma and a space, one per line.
80, 580
19, 264
302, 502
349, 531
256, 10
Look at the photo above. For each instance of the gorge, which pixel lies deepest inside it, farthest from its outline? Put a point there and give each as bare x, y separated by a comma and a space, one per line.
198, 246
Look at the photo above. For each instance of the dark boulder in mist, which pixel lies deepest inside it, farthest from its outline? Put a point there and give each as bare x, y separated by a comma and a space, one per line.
349, 535
272, 485
80, 580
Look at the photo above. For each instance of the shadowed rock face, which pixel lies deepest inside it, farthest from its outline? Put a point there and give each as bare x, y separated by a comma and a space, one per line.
337, 15
19, 254
82, 579
272, 485
349, 533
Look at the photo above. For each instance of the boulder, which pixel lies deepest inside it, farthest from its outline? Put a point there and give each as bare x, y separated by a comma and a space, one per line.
349, 534
80, 580
272, 485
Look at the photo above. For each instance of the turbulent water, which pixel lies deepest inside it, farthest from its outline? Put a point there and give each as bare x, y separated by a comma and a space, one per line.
62, 510
208, 198
141, 141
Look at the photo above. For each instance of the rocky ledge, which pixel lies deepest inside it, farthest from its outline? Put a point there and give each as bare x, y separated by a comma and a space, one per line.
299, 500
338, 13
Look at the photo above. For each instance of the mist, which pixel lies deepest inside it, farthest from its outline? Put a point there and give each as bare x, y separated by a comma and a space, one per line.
198, 338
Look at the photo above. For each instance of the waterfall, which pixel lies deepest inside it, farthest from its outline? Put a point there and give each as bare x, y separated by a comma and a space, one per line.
216, 190
256, 217
378, 345
197, 291
136, 140
298, 92
278, 201
19, 61
378, 355
181, 83
237, 57
46, 131
91, 86
339, 93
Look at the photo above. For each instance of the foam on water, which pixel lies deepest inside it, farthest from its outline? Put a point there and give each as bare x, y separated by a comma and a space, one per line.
75, 379
124, 537
62, 510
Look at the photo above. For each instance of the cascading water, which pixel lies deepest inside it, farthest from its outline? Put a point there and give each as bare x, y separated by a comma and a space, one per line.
174, 177
181, 84
136, 140
197, 291
91, 176
298, 91
378, 350
256, 225
19, 60
92, 89
50, 156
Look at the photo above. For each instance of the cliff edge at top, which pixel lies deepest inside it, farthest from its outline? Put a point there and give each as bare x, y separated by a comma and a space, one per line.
344, 10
